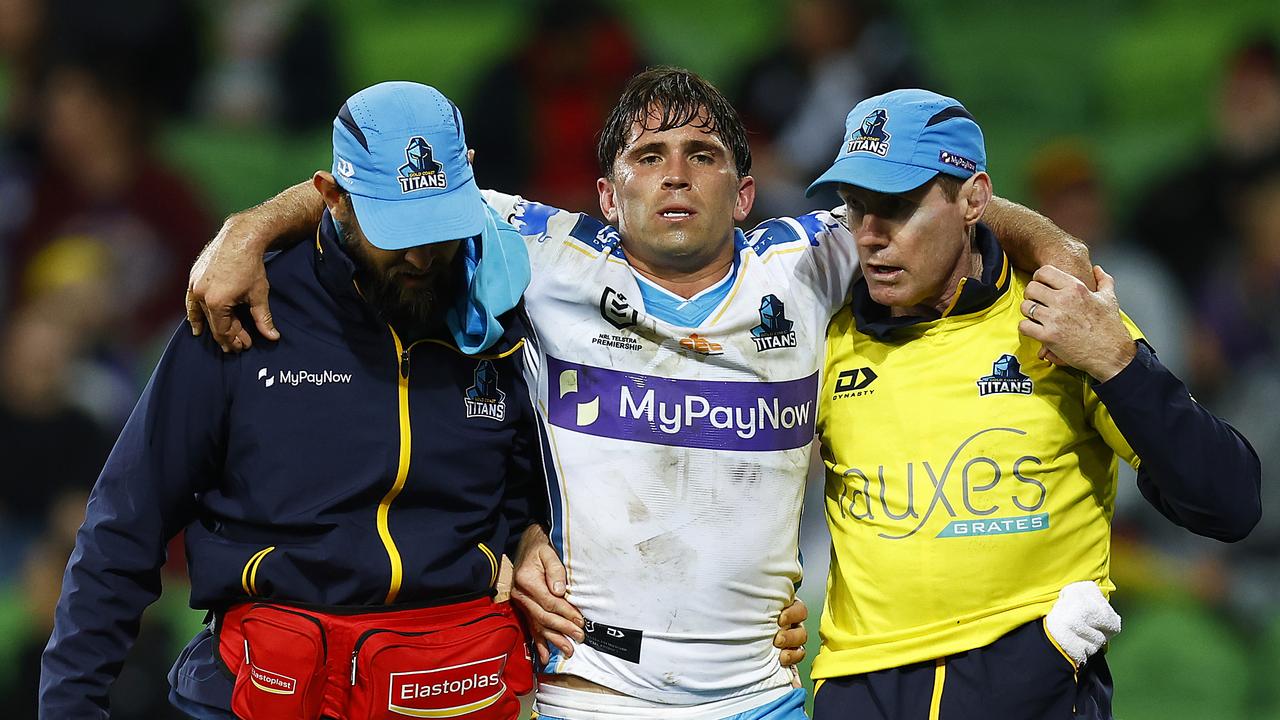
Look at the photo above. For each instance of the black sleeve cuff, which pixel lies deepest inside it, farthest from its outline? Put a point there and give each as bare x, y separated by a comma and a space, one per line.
1128, 384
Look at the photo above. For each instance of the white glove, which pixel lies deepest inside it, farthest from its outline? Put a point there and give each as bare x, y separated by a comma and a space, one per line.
1082, 621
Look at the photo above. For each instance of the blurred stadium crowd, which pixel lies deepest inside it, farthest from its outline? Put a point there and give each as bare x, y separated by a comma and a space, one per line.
99, 223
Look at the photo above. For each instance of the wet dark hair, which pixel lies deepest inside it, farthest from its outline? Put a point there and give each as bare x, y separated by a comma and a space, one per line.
676, 97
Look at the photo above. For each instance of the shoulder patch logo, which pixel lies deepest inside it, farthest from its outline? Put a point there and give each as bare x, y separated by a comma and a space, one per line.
774, 330
1006, 378
420, 170
871, 136
484, 399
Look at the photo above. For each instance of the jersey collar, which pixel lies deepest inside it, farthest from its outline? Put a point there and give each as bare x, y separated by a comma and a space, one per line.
690, 312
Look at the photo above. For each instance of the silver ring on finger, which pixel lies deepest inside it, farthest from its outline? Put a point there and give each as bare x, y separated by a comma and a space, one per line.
1031, 314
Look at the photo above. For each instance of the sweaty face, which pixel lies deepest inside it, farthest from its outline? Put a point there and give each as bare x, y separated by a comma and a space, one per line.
410, 288
675, 195
913, 246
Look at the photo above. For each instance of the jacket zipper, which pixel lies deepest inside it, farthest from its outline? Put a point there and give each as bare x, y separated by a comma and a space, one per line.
402, 468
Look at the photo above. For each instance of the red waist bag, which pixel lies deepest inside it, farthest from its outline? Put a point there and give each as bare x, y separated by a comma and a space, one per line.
468, 660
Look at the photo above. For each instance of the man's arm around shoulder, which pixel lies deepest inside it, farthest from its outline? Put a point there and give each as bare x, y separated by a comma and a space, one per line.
1197, 470
230, 272
1032, 241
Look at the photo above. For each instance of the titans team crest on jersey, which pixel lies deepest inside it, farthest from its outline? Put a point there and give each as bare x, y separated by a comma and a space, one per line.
420, 170
484, 399
1006, 378
871, 136
774, 330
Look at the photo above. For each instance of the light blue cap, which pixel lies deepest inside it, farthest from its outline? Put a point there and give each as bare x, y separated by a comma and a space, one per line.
400, 151
900, 140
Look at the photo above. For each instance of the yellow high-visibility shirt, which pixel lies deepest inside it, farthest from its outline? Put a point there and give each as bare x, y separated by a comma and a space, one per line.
967, 481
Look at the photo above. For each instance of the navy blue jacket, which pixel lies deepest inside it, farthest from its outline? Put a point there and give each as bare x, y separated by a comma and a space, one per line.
340, 466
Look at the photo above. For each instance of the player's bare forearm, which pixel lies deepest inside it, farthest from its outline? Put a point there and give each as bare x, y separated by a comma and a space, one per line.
283, 220
1033, 241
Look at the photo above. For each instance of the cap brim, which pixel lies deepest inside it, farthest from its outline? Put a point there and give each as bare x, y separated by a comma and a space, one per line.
402, 224
873, 173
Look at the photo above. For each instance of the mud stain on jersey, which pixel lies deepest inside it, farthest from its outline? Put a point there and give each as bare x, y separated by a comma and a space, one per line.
667, 552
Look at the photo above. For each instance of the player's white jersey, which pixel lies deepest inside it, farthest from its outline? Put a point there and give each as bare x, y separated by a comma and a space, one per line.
676, 437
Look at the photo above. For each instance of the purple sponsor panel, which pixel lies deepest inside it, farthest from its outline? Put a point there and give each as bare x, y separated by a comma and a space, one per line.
712, 414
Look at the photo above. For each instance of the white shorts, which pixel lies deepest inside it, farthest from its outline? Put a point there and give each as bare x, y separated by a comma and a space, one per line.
560, 703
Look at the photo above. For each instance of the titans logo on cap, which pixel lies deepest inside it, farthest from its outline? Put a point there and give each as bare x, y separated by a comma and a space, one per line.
420, 170
871, 136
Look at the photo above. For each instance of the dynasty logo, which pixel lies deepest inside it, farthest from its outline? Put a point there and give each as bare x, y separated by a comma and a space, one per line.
484, 399
854, 383
774, 330
1006, 378
420, 170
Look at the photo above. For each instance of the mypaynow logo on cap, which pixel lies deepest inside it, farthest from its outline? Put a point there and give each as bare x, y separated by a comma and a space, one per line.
711, 414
